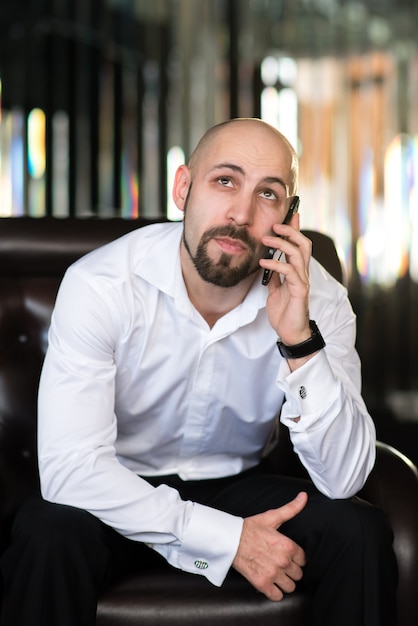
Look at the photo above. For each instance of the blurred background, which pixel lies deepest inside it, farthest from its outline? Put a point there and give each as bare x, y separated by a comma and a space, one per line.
101, 100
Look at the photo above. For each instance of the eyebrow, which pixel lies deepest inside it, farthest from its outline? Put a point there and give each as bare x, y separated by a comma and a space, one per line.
271, 180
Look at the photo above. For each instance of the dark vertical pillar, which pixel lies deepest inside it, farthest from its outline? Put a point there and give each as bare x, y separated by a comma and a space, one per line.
72, 109
94, 57
140, 91
31, 92
257, 89
49, 111
233, 56
118, 99
117, 135
162, 116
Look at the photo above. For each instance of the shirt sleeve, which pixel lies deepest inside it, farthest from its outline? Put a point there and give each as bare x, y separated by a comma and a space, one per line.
335, 437
77, 430
212, 558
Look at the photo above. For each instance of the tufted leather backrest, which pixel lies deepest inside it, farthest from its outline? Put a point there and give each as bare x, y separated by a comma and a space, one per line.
34, 254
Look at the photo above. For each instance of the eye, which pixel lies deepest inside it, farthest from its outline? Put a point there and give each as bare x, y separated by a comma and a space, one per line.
225, 181
268, 194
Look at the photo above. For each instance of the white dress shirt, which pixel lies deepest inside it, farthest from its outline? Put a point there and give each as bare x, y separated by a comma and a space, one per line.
136, 383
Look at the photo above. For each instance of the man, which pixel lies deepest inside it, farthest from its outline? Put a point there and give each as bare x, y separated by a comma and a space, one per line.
160, 393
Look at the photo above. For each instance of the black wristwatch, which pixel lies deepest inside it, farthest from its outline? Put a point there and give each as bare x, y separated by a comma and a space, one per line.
305, 348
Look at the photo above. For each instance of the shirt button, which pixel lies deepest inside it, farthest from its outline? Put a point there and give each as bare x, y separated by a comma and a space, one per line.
201, 564
302, 392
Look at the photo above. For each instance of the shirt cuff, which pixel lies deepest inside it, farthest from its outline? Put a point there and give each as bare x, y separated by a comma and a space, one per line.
308, 390
209, 545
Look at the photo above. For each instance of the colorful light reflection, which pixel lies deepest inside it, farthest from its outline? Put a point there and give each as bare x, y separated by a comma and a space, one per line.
386, 249
36, 162
130, 187
36, 143
413, 210
11, 163
280, 109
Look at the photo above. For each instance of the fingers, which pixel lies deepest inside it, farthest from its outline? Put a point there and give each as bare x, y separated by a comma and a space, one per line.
276, 517
294, 245
274, 581
271, 561
288, 289
280, 583
279, 573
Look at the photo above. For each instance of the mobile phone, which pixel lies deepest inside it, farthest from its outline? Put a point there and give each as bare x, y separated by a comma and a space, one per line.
273, 253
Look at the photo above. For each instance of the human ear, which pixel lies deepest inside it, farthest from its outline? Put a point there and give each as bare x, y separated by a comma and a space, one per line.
181, 185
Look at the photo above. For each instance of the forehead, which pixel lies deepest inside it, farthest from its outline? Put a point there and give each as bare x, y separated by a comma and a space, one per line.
255, 149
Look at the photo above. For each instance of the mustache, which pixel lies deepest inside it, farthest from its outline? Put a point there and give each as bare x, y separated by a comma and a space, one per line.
229, 230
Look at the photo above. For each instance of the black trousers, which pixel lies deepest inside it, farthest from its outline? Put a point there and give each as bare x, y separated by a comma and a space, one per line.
61, 558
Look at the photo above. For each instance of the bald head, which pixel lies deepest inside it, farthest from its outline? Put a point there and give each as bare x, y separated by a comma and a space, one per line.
236, 126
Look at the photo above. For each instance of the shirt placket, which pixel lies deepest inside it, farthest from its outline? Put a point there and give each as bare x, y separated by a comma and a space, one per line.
201, 395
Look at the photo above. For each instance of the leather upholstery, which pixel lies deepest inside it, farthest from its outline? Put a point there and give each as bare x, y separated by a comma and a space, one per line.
33, 256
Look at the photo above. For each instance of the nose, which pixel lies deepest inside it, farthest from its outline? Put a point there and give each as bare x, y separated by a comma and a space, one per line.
242, 210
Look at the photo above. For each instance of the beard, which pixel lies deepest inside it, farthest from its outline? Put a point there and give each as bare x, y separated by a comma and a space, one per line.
221, 272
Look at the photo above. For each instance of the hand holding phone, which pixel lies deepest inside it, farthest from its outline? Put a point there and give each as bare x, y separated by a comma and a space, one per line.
273, 253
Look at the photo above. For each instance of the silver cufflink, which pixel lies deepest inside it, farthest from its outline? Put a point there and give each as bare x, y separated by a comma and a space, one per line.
302, 392
201, 564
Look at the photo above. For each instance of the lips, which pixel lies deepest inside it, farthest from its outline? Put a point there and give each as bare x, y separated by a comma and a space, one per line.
230, 245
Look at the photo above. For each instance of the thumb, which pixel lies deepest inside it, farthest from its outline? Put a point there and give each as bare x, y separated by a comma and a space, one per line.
288, 511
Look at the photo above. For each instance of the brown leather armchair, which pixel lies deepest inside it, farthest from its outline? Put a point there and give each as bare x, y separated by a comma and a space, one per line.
33, 256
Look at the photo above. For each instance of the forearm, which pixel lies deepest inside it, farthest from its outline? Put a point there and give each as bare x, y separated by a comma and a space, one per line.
190, 536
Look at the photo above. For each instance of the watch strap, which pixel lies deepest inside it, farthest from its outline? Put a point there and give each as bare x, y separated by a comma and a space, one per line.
305, 348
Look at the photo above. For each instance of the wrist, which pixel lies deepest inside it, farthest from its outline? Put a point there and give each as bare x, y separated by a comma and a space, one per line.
312, 344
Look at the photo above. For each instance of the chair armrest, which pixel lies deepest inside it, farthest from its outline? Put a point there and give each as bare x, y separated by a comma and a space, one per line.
393, 486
